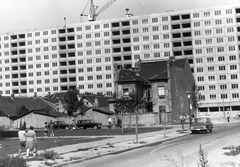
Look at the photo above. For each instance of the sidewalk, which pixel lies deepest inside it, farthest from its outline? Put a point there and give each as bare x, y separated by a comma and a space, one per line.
83, 151
115, 144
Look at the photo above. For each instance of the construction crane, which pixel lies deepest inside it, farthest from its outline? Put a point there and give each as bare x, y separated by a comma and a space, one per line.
93, 13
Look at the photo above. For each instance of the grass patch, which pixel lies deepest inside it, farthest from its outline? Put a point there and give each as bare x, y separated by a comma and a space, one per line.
234, 150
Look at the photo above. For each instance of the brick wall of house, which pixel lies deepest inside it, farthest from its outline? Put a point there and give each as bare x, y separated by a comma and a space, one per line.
35, 120
181, 81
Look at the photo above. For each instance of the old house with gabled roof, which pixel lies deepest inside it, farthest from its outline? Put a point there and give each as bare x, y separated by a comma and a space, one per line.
165, 85
32, 110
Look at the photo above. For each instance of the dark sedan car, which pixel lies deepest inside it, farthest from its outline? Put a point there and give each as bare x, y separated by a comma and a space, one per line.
88, 123
60, 125
202, 125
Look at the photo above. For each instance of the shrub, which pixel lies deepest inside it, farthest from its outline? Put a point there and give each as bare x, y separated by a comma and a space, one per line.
49, 155
202, 162
8, 161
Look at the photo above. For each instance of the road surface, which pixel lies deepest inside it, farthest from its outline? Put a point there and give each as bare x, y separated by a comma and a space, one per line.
178, 151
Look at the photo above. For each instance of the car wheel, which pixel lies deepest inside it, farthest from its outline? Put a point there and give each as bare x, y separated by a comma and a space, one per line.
95, 127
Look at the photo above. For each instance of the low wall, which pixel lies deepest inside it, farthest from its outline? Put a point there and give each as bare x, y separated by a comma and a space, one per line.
221, 115
143, 119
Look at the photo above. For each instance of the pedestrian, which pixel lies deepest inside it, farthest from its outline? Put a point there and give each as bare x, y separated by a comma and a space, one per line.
182, 119
119, 122
46, 129
51, 129
114, 123
22, 139
31, 142
228, 116
109, 122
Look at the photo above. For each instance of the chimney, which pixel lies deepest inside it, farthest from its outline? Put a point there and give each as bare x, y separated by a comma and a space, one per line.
96, 102
12, 96
35, 95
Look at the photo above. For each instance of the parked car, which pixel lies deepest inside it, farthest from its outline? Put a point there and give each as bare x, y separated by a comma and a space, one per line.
202, 125
88, 123
61, 125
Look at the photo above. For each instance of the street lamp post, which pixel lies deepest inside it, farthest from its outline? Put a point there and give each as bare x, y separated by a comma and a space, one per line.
189, 108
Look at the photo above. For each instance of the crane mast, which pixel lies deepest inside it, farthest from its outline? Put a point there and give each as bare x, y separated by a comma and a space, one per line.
93, 13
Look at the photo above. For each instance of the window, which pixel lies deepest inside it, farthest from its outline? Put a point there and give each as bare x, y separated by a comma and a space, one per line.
211, 78
218, 12
156, 55
108, 76
107, 42
218, 22
198, 51
155, 37
199, 69
232, 57
200, 79
106, 34
206, 14
219, 31
106, 25
199, 60
145, 47
155, 28
234, 76
223, 86
135, 30
212, 97
165, 27
99, 77
195, 15
221, 58
144, 21
231, 48
108, 85
221, 68
197, 33
219, 40
197, 42
89, 77
233, 67
166, 45
166, 54
212, 87
210, 69
165, 18
230, 29
154, 20
229, 20
207, 23
228, 11
135, 22
145, 38
208, 32
231, 39
234, 86
161, 91
145, 29
89, 69
97, 35
196, 24
222, 77
220, 49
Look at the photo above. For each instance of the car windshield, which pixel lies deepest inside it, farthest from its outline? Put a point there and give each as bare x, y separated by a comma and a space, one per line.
203, 120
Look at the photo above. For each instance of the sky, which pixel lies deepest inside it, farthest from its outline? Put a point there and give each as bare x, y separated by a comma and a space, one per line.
17, 15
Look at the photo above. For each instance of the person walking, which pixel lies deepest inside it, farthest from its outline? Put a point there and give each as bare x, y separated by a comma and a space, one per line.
31, 142
22, 140
51, 129
109, 122
46, 129
228, 116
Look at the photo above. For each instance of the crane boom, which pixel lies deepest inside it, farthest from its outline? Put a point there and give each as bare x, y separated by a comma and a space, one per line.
93, 10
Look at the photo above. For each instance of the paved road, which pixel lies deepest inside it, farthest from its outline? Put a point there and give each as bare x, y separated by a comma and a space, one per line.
162, 155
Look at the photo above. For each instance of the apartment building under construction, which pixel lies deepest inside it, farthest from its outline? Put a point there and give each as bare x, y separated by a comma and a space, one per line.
85, 55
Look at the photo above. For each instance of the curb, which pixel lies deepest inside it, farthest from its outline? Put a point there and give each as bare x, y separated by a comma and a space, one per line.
118, 152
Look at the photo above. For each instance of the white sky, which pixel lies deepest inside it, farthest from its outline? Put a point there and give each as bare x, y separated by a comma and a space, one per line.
18, 15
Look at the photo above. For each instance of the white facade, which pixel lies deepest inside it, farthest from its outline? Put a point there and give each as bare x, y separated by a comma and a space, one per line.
84, 55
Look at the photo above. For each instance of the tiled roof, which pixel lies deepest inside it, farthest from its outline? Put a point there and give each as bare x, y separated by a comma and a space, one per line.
126, 75
149, 71
102, 111
10, 106
102, 100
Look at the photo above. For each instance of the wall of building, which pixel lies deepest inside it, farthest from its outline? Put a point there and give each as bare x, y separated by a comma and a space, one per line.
96, 116
5, 123
181, 82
